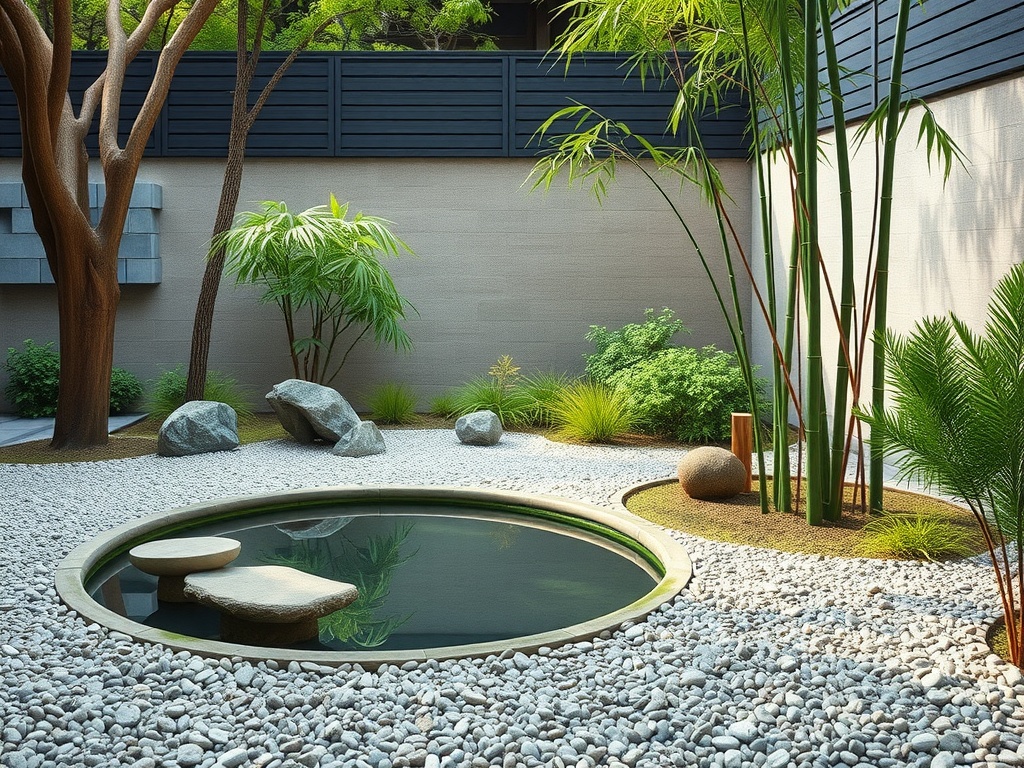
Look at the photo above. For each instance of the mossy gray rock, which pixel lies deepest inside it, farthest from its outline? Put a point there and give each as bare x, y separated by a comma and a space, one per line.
199, 426
479, 428
712, 473
364, 439
309, 411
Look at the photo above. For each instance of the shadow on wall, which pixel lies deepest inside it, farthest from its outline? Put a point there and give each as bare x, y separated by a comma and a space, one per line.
975, 232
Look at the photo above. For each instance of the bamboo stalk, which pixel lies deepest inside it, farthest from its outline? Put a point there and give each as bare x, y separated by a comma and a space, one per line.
892, 120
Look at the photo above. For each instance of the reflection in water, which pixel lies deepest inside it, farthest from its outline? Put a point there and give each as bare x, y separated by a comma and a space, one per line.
370, 568
313, 529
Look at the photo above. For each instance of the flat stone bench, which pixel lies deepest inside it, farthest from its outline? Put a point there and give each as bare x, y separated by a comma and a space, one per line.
173, 559
269, 605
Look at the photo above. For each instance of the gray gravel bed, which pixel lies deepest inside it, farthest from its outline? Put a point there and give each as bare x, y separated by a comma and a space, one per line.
768, 659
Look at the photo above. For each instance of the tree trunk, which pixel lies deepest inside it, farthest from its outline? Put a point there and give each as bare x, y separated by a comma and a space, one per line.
202, 327
86, 305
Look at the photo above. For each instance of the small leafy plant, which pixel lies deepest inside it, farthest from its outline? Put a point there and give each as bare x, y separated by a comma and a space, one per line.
917, 537
168, 393
392, 404
34, 382
590, 412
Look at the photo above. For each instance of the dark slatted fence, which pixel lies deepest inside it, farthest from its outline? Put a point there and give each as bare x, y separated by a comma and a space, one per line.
393, 104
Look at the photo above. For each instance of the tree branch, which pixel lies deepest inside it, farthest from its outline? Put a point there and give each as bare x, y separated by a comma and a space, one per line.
60, 66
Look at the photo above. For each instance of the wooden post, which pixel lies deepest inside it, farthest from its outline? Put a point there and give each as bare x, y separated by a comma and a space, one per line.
743, 442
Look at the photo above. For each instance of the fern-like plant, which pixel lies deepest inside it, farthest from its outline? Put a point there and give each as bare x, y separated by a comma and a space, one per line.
590, 412
957, 424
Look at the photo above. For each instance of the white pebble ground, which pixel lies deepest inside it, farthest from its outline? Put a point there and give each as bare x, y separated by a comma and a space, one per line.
768, 659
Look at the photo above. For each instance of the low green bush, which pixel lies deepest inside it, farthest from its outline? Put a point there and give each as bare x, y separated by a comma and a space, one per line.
679, 392
684, 393
918, 537
34, 381
125, 390
590, 412
392, 404
167, 393
630, 344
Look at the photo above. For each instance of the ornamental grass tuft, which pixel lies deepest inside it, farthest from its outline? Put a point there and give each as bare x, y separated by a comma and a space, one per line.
917, 537
590, 412
392, 404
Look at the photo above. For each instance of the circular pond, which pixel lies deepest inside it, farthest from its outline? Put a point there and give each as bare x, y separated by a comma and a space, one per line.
441, 572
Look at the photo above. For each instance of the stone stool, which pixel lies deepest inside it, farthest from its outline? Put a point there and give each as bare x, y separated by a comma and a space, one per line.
173, 559
269, 605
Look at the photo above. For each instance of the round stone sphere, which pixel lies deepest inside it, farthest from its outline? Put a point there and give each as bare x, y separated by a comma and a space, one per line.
711, 473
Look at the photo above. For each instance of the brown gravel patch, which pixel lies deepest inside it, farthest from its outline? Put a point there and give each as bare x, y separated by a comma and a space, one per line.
740, 521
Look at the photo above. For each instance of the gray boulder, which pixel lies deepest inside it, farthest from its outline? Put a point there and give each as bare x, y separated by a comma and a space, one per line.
364, 439
479, 428
310, 411
712, 473
199, 426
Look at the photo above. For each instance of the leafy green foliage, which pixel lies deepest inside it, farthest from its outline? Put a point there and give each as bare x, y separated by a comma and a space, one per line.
168, 393
679, 392
685, 393
631, 344
369, 567
957, 423
590, 412
34, 381
392, 404
125, 390
322, 266
918, 537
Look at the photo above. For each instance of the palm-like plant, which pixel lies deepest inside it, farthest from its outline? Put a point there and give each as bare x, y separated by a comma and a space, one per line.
957, 422
322, 266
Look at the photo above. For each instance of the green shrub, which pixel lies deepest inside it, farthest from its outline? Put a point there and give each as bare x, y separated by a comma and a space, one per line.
631, 344
444, 405
34, 379
168, 393
34, 382
392, 404
590, 412
685, 393
541, 389
125, 390
918, 537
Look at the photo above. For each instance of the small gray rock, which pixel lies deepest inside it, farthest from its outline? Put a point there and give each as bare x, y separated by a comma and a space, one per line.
189, 755
364, 439
199, 426
233, 758
479, 428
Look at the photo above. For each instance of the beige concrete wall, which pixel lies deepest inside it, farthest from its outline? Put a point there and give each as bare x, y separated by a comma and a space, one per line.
499, 270
950, 244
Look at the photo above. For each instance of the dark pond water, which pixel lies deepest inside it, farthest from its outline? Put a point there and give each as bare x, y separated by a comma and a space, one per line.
451, 577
